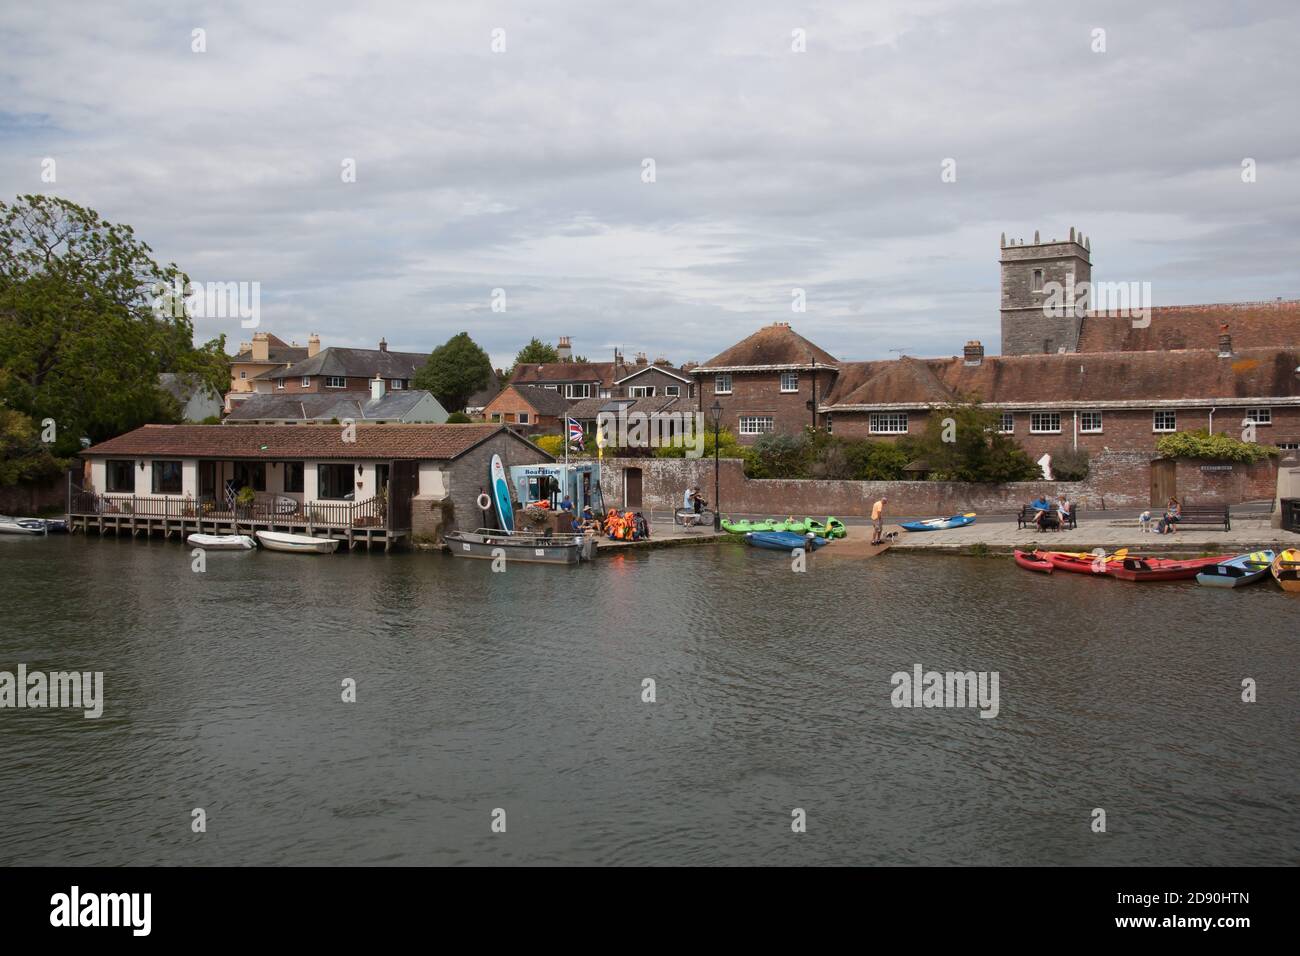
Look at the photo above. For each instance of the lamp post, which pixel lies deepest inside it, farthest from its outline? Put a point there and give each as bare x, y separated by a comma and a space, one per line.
715, 411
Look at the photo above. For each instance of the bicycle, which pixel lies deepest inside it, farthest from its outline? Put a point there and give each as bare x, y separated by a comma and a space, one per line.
689, 518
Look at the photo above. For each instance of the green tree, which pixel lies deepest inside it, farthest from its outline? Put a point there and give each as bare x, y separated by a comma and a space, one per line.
456, 370
23, 457
876, 460
536, 352
458, 418
962, 443
84, 326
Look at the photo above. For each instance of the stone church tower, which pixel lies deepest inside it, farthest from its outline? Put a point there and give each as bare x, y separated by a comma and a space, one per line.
1028, 270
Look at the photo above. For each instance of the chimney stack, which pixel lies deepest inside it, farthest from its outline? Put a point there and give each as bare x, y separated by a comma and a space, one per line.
261, 347
641, 359
383, 345
564, 350
1225, 342
377, 389
974, 352
313, 344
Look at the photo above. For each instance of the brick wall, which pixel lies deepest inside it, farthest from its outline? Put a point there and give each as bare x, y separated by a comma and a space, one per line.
1122, 430
26, 499
1116, 480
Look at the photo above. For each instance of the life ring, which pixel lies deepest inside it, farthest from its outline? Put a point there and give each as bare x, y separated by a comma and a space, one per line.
484, 502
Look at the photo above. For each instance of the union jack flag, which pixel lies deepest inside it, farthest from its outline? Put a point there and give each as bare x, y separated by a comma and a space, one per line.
576, 437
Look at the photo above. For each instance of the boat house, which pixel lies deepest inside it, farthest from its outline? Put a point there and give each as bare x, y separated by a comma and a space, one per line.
373, 484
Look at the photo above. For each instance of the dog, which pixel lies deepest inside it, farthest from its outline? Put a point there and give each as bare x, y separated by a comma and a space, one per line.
891, 535
1144, 522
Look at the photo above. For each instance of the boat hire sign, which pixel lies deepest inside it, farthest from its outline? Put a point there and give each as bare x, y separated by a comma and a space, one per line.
1216, 468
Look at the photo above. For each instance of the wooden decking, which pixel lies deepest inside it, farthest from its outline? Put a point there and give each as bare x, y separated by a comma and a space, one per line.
357, 524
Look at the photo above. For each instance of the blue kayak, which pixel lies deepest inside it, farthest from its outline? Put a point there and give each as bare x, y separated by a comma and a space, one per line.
939, 524
1233, 573
784, 540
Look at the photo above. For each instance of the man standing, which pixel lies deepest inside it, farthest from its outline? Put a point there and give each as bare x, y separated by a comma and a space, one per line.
878, 520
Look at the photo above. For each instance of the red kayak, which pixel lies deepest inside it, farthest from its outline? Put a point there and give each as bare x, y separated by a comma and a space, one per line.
1163, 569
1062, 561
1031, 561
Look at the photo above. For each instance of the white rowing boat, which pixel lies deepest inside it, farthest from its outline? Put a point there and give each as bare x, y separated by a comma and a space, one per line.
221, 542
298, 543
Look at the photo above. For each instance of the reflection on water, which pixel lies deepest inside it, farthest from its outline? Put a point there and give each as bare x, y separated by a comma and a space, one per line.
523, 691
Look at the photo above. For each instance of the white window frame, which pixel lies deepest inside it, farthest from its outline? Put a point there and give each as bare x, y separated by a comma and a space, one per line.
243, 373
395, 384
522, 418
1085, 429
306, 381
1036, 429
329, 379
794, 378
672, 391
718, 387
1007, 423
279, 383
640, 391
887, 423
748, 425
1155, 420
1259, 416
579, 390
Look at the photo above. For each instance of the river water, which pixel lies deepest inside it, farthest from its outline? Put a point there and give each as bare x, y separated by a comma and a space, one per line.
522, 691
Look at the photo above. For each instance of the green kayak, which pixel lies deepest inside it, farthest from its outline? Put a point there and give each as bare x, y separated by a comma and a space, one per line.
833, 528
746, 526
797, 525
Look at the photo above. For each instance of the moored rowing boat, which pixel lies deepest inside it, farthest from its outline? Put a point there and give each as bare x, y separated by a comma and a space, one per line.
1235, 572
1286, 569
296, 543
1163, 569
1032, 561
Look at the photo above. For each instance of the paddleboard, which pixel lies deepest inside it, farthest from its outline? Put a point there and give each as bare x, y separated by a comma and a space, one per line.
501, 494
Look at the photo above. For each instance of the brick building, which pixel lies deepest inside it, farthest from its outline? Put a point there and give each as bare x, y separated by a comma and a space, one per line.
773, 381
536, 408
265, 353
1086, 380
576, 381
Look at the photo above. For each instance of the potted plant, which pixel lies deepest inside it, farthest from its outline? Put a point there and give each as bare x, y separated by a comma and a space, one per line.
244, 500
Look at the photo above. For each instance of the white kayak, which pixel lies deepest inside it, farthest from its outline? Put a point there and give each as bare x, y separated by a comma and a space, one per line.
301, 543
222, 542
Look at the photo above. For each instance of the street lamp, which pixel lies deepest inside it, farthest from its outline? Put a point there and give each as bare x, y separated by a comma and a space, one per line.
715, 412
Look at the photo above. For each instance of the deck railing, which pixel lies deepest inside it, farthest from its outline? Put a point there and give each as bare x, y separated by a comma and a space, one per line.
371, 513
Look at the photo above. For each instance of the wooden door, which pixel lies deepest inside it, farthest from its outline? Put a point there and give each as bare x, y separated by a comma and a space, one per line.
1164, 484
632, 489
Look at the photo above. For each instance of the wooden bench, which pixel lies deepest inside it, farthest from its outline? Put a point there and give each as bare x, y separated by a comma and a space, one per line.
1204, 514
1025, 518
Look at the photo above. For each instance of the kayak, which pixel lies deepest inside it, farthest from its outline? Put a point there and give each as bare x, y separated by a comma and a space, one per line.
1286, 570
1081, 562
745, 527
797, 525
1163, 569
1032, 561
940, 524
1233, 573
784, 540
833, 528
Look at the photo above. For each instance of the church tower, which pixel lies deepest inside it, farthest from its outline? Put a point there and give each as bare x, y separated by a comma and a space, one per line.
1030, 273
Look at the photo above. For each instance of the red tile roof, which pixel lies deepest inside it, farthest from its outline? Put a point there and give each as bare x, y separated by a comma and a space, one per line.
775, 345
552, 372
277, 442
1251, 325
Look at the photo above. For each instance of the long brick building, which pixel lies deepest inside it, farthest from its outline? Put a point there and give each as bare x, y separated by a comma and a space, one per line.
1083, 380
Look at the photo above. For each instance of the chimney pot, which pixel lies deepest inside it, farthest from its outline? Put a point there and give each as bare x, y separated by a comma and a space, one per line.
383, 345
974, 352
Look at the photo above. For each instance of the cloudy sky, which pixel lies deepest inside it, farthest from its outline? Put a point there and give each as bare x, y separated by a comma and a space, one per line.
774, 169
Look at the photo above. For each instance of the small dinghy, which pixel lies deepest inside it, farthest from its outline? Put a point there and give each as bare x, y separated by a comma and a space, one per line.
1286, 570
10, 525
296, 543
1235, 572
785, 540
1033, 561
940, 524
221, 542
